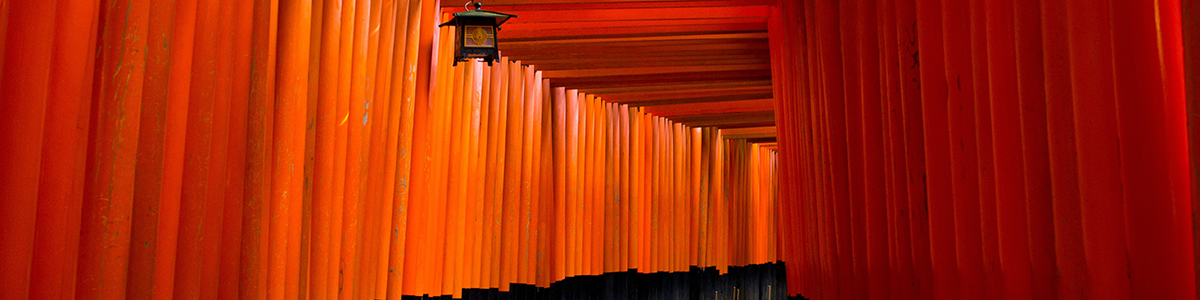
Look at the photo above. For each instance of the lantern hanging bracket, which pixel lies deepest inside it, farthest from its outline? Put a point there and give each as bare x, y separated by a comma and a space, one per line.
478, 5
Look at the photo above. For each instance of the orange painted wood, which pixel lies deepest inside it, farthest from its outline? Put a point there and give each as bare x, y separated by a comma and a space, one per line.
637, 201
474, 192
683, 13
587, 131
675, 197
597, 193
707, 36
23, 77
534, 96
325, 143
743, 106
660, 258
108, 191
60, 180
444, 110
256, 223
498, 204
479, 168
370, 172
312, 93
353, 213
650, 60
572, 246
151, 141
1161, 254
550, 48
341, 119
671, 88
641, 176
173, 148
424, 69
403, 86
457, 164
606, 194
517, 26
529, 103
650, 70
295, 16
590, 82
201, 142
546, 205
694, 211
387, 132
233, 223
492, 195
512, 179
218, 172
625, 195
556, 4
559, 128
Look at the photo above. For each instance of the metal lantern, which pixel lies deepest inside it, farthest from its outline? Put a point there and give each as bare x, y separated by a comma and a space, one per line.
475, 34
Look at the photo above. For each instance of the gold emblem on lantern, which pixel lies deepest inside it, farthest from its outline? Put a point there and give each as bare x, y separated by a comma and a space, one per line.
480, 36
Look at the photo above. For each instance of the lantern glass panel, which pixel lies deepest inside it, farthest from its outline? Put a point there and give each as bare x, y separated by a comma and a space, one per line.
475, 36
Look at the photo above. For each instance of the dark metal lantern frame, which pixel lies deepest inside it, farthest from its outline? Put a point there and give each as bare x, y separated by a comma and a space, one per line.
476, 34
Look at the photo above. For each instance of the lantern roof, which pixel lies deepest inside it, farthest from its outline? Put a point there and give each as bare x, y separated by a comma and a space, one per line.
480, 13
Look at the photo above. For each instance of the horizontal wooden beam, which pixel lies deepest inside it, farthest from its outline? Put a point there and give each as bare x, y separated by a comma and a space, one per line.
764, 142
700, 36
540, 60
698, 99
645, 55
680, 94
620, 63
509, 27
628, 14
723, 107
588, 84
727, 39
749, 132
524, 5
577, 73
729, 120
606, 48
663, 87
630, 32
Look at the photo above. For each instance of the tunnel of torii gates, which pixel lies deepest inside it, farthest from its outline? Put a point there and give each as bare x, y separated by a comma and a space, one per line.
621, 149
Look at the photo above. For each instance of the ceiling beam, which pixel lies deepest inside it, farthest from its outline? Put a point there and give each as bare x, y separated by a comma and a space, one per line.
703, 36
526, 5
729, 120
697, 99
593, 49
507, 27
628, 14
768, 143
666, 32
663, 87
723, 107
749, 132
588, 85
678, 94
583, 82
643, 63
646, 55
578, 73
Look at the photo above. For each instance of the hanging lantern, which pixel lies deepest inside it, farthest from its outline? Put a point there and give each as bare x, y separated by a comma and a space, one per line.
475, 34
